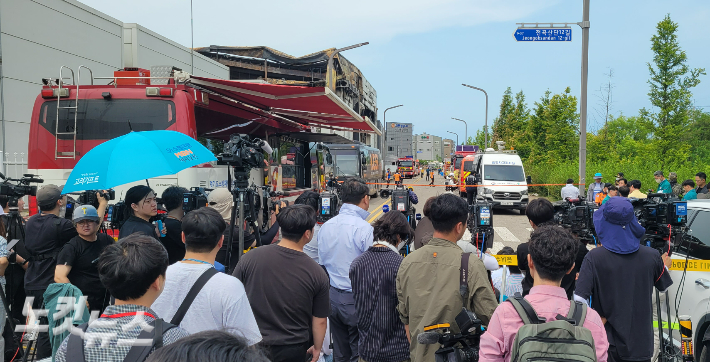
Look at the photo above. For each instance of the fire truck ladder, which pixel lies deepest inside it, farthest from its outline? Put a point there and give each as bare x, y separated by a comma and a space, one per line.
75, 109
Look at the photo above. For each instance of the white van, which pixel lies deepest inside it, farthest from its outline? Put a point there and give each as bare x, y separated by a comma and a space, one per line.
502, 178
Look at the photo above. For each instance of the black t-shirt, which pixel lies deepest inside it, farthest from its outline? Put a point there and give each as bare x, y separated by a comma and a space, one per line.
172, 241
83, 257
45, 235
135, 224
286, 289
624, 301
568, 281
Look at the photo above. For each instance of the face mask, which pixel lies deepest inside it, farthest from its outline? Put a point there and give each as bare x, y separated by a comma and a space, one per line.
658, 180
618, 178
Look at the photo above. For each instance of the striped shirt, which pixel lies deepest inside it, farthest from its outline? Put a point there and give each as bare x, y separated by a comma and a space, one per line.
121, 327
373, 276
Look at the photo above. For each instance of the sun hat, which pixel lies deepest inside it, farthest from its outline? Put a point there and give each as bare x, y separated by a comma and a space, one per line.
617, 226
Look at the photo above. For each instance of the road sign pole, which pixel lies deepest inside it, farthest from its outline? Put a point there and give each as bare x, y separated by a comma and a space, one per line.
583, 102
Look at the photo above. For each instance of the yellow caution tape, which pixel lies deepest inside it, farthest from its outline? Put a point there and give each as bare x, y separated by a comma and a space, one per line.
507, 259
693, 265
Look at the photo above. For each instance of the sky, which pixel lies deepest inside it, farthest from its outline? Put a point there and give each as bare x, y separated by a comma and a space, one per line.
421, 51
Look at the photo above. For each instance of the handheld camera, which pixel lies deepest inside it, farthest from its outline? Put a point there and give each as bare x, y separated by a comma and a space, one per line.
460, 347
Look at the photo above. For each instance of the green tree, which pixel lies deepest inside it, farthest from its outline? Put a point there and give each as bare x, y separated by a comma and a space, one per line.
501, 124
671, 82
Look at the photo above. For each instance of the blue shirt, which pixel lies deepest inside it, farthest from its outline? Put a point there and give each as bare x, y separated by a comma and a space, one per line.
690, 195
341, 240
664, 187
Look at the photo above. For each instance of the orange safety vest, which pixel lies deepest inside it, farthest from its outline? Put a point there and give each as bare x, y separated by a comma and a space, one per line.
396, 177
600, 198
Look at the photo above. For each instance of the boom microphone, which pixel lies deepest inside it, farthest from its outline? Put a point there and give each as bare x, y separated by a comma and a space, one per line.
36, 180
428, 337
265, 146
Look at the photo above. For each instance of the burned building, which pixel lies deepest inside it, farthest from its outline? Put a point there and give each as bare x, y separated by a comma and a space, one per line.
326, 68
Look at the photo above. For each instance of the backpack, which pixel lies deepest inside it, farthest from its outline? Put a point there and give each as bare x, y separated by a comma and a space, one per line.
564, 339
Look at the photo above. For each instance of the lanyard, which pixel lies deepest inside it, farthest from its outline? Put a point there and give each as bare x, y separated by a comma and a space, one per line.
121, 315
199, 261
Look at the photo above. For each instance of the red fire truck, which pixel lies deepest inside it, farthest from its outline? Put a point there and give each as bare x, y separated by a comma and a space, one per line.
68, 120
405, 166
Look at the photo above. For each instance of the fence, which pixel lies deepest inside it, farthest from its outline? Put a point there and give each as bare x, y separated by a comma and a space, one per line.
14, 165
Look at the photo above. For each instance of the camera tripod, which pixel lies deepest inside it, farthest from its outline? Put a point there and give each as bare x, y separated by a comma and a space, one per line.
15, 230
243, 199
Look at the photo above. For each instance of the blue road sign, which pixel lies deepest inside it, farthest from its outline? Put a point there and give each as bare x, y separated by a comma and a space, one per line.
543, 34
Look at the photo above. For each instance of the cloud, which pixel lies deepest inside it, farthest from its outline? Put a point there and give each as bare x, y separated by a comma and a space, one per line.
299, 27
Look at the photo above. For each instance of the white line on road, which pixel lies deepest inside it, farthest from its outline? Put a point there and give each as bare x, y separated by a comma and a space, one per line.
505, 234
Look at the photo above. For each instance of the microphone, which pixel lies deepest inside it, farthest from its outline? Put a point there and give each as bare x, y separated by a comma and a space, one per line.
428, 338
36, 180
265, 146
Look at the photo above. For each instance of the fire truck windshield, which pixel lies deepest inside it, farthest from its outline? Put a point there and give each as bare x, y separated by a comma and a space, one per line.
406, 163
346, 162
100, 119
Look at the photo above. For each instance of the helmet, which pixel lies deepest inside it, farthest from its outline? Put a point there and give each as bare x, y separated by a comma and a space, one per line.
85, 212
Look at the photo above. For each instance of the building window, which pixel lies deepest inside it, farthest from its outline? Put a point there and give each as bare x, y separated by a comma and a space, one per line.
390, 149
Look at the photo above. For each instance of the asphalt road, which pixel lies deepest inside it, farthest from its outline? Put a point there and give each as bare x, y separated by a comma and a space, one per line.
510, 227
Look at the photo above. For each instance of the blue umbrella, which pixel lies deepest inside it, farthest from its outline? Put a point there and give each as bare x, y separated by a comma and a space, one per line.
136, 156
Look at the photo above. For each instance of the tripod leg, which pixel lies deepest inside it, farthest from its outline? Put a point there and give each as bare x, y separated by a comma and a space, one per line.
241, 225
661, 347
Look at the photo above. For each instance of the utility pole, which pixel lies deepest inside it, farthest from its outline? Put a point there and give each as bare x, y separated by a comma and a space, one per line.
484, 92
385, 134
562, 32
466, 129
583, 102
457, 137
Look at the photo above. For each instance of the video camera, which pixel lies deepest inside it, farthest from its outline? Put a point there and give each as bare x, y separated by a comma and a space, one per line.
576, 215
480, 223
461, 347
400, 199
20, 189
665, 219
194, 199
87, 197
242, 152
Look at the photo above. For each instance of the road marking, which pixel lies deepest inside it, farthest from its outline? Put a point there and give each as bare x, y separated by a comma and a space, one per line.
374, 216
505, 234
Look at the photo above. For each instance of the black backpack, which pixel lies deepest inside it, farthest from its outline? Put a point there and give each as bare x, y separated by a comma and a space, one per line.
75, 344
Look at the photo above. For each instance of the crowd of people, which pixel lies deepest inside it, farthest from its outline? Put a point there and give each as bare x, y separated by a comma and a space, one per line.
339, 290
600, 192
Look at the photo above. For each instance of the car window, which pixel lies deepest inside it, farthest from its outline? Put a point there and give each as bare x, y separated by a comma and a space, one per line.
698, 243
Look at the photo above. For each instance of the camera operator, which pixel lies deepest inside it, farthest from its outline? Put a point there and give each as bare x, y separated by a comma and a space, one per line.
373, 275
623, 303
340, 240
221, 200
428, 278
541, 212
141, 205
46, 233
173, 198
76, 263
552, 254
288, 307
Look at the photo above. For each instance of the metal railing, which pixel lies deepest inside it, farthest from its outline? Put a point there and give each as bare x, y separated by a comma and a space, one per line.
14, 164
